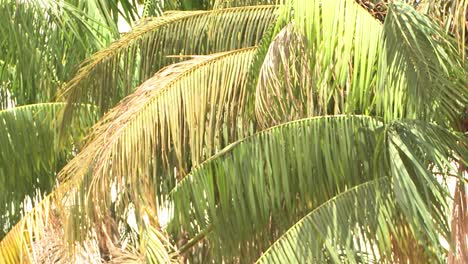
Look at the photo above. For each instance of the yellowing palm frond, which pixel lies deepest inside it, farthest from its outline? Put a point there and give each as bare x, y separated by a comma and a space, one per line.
167, 119
174, 121
111, 73
236, 3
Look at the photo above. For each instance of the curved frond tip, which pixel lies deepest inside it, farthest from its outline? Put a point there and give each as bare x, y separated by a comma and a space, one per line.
252, 189
348, 227
422, 75
243, 198
111, 73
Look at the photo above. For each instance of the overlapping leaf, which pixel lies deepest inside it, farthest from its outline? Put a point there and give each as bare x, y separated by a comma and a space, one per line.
257, 186
353, 226
324, 63
175, 120
42, 42
421, 74
31, 154
350, 63
111, 73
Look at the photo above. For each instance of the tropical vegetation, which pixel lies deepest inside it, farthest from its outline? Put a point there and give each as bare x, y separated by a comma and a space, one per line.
233, 131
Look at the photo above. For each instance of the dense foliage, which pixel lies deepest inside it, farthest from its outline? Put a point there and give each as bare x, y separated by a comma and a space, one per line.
299, 131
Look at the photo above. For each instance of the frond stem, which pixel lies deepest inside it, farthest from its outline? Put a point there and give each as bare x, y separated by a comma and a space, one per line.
199, 237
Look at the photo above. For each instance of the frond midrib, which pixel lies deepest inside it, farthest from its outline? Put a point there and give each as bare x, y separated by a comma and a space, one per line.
139, 31
330, 201
225, 151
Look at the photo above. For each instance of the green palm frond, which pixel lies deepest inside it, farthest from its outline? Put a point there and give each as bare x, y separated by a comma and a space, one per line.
257, 186
343, 60
360, 225
452, 16
111, 73
111, 10
325, 63
422, 75
41, 43
355, 226
251, 191
154, 8
31, 154
418, 153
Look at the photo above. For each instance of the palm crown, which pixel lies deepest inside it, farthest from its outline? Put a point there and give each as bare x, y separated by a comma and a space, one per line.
299, 131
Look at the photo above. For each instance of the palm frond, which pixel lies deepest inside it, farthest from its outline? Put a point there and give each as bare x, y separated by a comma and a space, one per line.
256, 187
422, 74
176, 162
175, 120
284, 18
17, 245
42, 42
154, 8
350, 63
172, 121
285, 80
31, 154
157, 7
248, 193
417, 151
451, 16
154, 245
111, 10
39, 238
111, 73
217, 4
327, 67
354, 226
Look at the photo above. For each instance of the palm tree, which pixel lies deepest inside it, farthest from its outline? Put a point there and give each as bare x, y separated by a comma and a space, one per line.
300, 131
